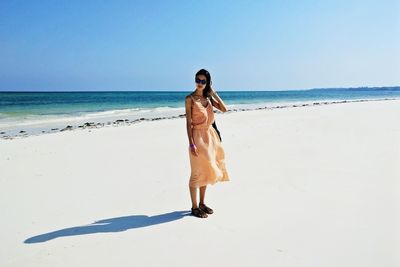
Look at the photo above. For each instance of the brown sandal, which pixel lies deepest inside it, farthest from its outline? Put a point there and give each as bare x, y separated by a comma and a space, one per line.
206, 209
199, 213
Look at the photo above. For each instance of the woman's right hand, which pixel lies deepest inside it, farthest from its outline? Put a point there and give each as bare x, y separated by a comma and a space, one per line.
193, 150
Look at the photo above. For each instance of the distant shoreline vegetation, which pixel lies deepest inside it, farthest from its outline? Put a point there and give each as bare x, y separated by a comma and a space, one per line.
360, 88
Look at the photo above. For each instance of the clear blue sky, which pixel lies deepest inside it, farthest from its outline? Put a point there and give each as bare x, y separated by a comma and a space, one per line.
159, 45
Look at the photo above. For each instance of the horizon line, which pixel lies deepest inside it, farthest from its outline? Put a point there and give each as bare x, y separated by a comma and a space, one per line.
178, 91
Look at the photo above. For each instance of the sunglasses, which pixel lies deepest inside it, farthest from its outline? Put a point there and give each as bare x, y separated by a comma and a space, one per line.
201, 81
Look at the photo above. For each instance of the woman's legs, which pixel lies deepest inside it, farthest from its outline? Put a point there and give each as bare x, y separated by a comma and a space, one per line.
193, 195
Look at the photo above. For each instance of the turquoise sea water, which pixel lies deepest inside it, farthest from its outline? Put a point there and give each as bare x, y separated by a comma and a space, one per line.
30, 111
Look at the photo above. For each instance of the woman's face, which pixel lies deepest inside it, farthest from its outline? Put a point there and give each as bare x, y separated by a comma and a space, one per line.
200, 85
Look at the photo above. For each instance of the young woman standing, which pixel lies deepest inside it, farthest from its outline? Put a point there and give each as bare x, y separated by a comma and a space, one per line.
207, 157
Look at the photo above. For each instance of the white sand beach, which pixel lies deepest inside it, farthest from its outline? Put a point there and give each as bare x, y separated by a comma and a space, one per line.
310, 186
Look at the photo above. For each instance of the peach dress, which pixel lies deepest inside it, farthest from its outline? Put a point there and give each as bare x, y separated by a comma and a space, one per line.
209, 166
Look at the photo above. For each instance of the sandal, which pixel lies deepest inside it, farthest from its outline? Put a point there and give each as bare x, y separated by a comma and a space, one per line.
206, 209
199, 213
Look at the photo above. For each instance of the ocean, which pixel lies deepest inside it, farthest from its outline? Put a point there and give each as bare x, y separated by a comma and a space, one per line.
31, 113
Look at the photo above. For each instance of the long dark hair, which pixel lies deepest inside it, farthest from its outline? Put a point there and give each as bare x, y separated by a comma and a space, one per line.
207, 90
207, 93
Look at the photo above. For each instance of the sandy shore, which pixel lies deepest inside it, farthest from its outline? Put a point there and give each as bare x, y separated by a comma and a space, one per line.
310, 186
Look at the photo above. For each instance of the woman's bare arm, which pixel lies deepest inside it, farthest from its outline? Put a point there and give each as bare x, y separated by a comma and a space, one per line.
188, 109
217, 101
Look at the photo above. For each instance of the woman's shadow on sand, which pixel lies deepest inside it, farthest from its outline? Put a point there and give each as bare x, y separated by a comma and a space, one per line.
117, 224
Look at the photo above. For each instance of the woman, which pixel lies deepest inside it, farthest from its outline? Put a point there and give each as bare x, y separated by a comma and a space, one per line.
207, 158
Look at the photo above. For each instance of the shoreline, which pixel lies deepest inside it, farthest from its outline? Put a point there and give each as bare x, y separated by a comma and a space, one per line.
126, 122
